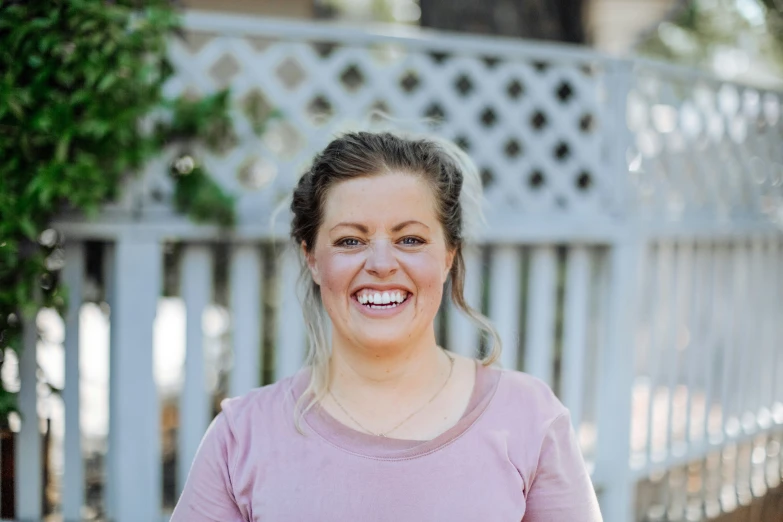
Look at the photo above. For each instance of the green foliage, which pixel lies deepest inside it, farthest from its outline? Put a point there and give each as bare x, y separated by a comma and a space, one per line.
77, 79
204, 122
728, 37
198, 196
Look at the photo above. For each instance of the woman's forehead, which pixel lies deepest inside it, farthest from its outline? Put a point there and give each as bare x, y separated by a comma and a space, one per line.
391, 196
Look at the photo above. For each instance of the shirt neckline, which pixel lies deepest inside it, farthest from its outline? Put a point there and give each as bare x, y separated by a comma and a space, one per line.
388, 448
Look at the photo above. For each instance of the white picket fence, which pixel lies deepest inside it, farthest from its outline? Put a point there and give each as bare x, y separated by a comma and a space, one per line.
631, 256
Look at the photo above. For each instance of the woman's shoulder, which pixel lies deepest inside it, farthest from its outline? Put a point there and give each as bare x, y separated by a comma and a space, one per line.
527, 397
527, 411
262, 406
542, 445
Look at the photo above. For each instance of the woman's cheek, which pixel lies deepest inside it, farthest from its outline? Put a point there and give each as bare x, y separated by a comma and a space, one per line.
427, 281
336, 274
433, 296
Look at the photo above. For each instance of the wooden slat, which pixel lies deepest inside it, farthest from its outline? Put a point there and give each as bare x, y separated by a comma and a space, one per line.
661, 301
679, 317
463, 337
290, 348
731, 394
698, 355
194, 401
246, 300
616, 376
540, 324
136, 468
775, 304
727, 335
73, 465
778, 336
575, 332
754, 373
110, 291
718, 322
600, 308
29, 487
504, 301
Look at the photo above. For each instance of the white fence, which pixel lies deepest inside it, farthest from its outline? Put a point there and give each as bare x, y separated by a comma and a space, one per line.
630, 257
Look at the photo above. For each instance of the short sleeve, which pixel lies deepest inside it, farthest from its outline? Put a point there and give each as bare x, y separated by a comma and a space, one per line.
561, 488
208, 495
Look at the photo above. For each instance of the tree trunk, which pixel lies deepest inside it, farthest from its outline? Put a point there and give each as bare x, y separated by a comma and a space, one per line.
7, 473
558, 20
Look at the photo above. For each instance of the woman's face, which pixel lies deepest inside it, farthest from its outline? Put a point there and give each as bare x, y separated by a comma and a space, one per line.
381, 259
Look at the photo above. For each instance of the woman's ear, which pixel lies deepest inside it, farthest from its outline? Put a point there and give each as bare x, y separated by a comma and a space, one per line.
311, 265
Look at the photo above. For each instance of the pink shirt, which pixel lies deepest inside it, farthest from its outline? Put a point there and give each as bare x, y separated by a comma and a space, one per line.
512, 456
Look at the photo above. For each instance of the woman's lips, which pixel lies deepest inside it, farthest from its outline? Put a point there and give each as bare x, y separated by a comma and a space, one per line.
381, 312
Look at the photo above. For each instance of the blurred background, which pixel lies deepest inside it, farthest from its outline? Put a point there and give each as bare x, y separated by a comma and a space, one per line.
631, 153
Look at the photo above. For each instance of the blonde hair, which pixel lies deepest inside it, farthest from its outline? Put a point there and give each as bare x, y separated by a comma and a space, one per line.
456, 186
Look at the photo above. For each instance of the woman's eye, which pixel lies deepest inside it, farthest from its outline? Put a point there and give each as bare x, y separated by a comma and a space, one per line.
348, 242
412, 241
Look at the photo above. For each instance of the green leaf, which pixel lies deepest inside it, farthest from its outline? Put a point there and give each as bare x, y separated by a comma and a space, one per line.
28, 227
62, 148
16, 108
34, 61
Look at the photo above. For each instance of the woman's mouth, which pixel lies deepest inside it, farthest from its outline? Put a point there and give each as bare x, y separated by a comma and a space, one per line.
377, 300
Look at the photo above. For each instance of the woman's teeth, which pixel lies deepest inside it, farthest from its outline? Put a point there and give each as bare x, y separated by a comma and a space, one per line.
381, 300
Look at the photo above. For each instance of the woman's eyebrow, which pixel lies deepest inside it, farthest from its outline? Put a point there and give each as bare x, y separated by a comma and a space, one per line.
363, 229
404, 224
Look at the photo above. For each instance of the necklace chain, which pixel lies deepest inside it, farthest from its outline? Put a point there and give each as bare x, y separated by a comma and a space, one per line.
451, 370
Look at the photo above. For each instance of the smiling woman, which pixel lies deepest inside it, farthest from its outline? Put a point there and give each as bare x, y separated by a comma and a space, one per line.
382, 424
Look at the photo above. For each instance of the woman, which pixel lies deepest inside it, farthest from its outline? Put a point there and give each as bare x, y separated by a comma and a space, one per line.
382, 424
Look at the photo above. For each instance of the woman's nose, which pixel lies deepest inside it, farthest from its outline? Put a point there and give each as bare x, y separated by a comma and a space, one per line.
380, 260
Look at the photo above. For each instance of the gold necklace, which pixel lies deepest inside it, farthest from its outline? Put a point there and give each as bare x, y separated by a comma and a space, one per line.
451, 370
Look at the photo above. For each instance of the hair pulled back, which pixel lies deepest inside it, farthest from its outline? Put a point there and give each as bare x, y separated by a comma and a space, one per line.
442, 165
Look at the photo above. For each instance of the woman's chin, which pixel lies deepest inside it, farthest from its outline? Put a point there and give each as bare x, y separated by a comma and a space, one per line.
378, 342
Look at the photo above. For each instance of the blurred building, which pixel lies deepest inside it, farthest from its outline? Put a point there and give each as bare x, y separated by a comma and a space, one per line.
613, 26
284, 8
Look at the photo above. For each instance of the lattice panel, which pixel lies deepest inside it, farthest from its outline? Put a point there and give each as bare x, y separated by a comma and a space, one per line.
533, 127
704, 149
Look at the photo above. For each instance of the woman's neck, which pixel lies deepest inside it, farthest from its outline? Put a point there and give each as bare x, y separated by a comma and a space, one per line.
367, 375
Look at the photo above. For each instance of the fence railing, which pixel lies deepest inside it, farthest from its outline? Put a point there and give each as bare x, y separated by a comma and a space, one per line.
630, 258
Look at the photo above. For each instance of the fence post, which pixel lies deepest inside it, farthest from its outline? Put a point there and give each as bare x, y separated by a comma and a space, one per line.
29, 462
246, 280
73, 485
195, 411
291, 333
616, 360
505, 301
110, 291
135, 419
616, 376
